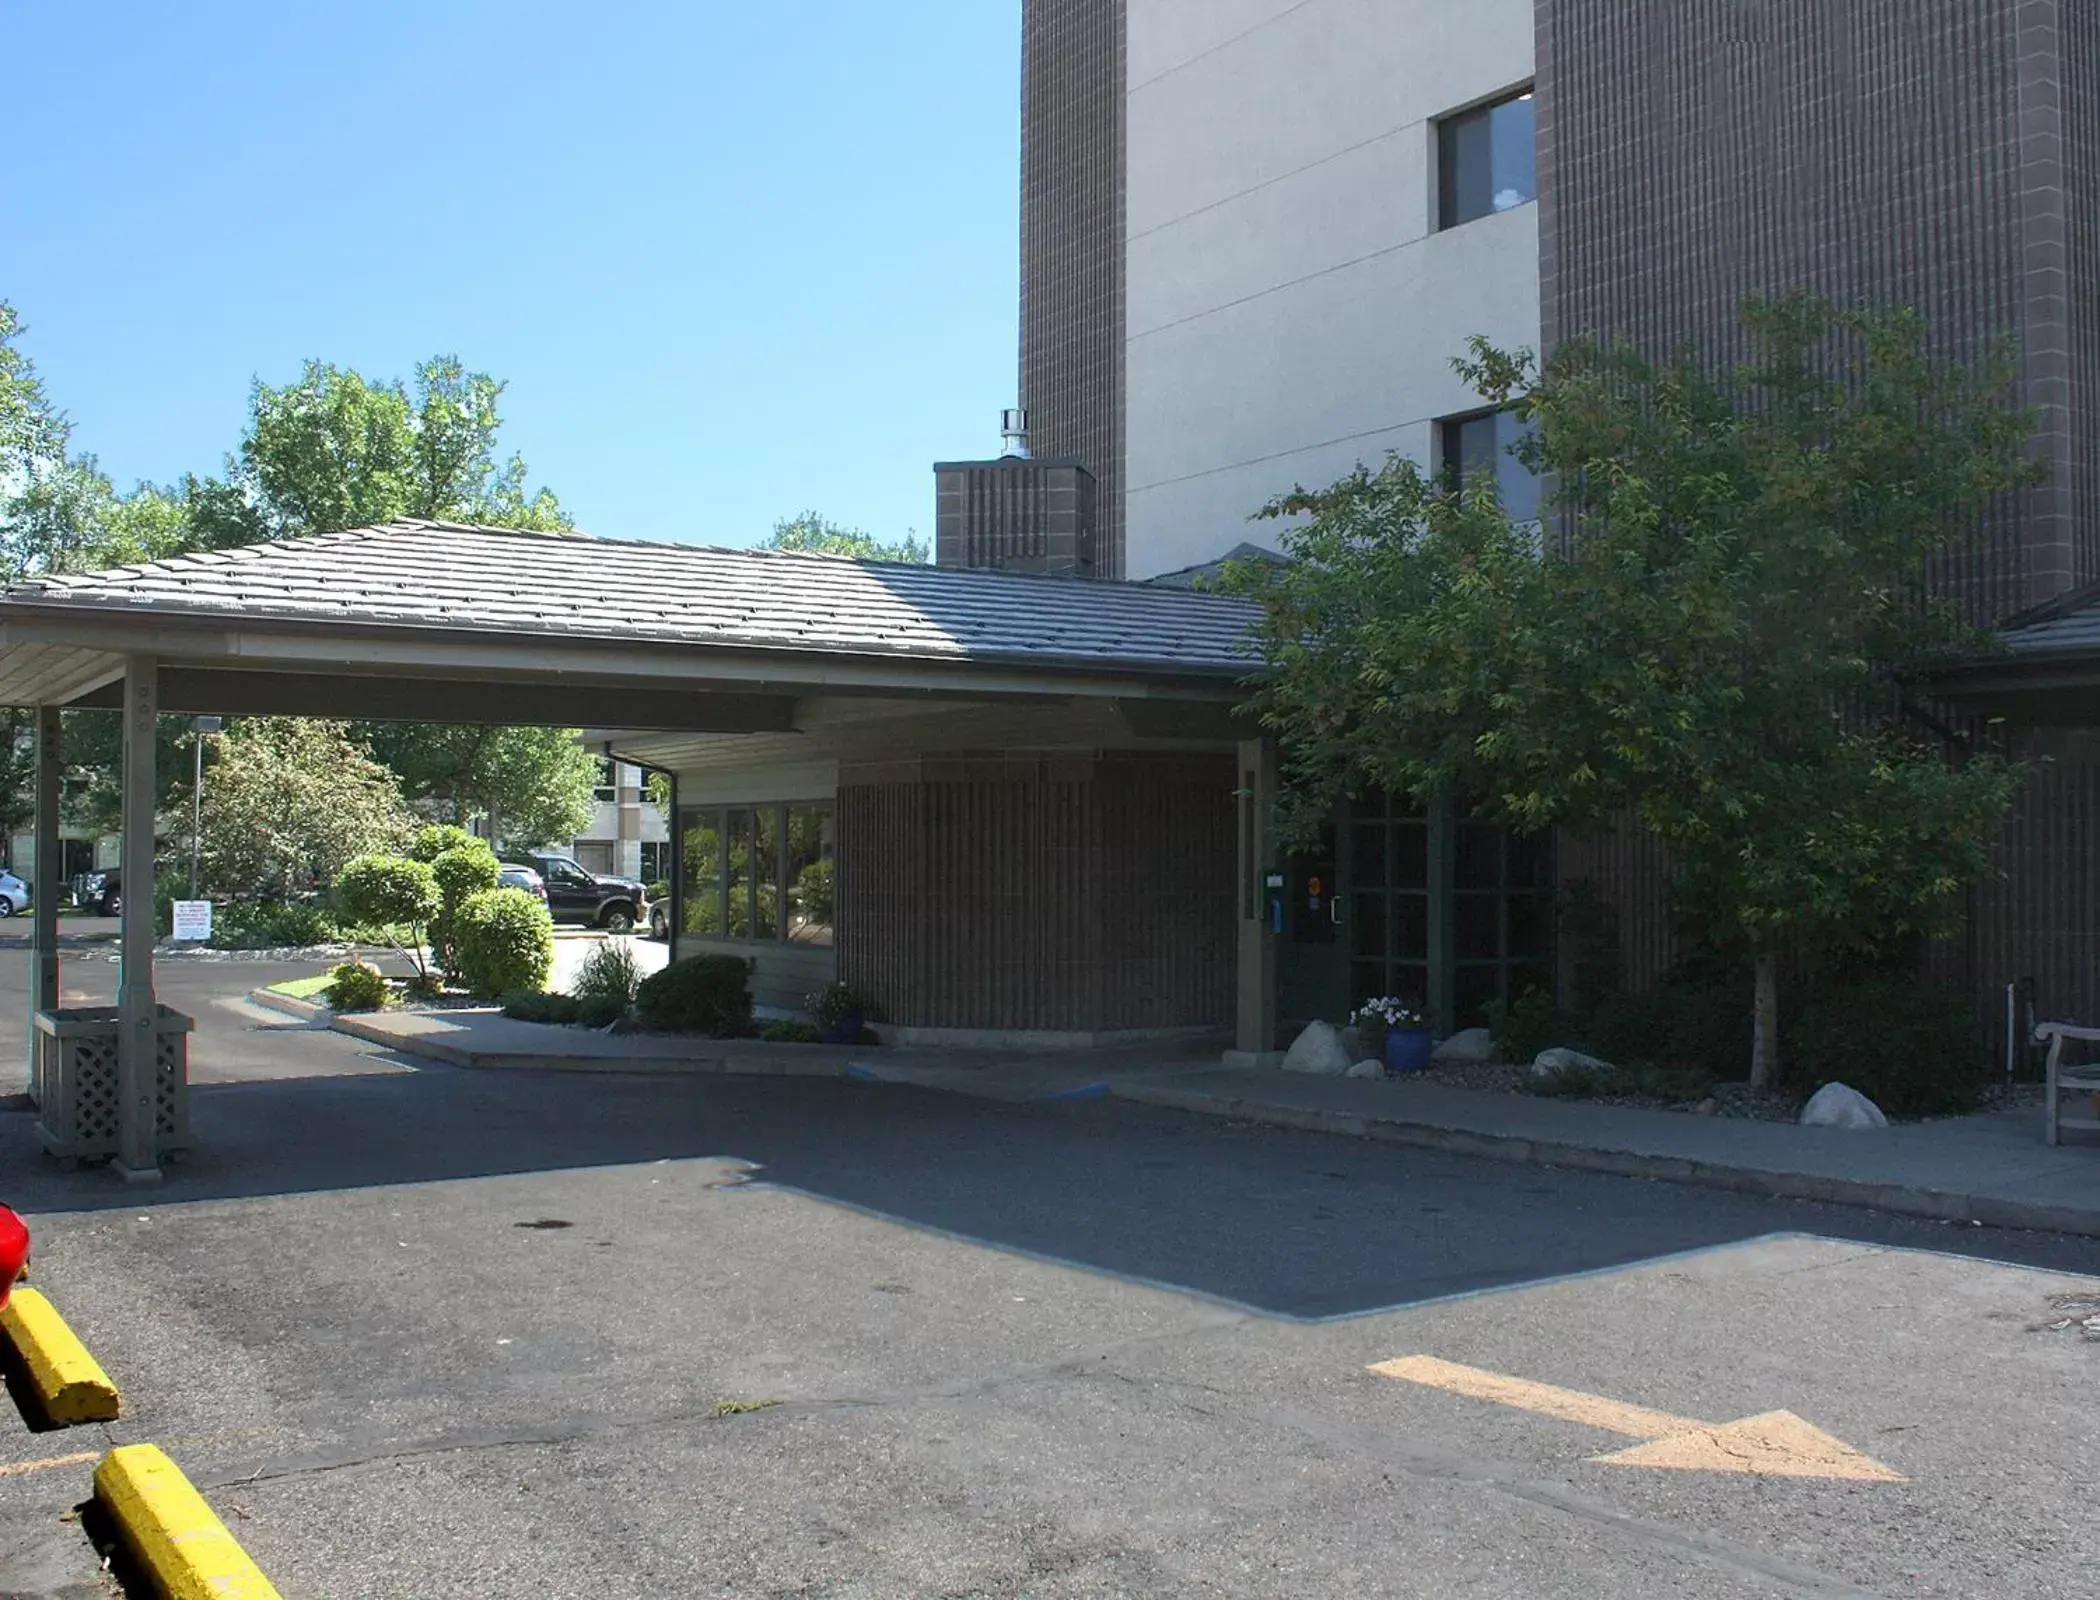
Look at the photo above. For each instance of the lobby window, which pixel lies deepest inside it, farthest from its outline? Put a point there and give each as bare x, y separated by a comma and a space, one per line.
1481, 446
760, 873
1487, 160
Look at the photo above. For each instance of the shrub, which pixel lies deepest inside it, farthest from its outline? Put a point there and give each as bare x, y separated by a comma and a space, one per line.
299, 922
702, 994
1683, 1024
1914, 1048
461, 872
791, 1030
356, 986
659, 890
423, 986
433, 841
387, 891
504, 941
608, 973
599, 1010
270, 924
536, 1005
1528, 1025
834, 1004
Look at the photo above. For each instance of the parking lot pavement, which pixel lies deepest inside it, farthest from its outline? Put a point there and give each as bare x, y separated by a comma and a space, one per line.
423, 1333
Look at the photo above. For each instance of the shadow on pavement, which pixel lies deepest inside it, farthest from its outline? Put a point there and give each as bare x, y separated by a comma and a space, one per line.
1295, 1224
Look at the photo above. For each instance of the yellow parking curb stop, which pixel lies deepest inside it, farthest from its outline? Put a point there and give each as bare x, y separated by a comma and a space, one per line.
69, 1381
171, 1532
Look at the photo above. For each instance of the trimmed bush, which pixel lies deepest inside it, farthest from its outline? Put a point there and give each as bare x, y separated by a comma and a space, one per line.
536, 1005
461, 872
271, 924
702, 994
1915, 1048
356, 986
792, 1030
1528, 1025
1680, 1025
609, 974
433, 841
504, 941
384, 891
599, 1010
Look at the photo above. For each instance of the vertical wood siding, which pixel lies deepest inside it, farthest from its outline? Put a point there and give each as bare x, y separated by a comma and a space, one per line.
1058, 893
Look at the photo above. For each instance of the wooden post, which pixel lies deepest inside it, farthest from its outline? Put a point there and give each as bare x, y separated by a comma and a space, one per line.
1255, 1030
43, 889
138, 1092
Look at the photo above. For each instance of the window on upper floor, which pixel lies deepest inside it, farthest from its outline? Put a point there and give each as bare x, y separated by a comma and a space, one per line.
1483, 444
1487, 160
608, 780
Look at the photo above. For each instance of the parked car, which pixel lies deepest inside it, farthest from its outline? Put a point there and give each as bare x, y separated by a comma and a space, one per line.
660, 918
100, 892
14, 894
576, 895
526, 878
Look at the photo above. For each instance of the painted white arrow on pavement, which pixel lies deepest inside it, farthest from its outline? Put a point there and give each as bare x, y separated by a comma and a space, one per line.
1774, 1444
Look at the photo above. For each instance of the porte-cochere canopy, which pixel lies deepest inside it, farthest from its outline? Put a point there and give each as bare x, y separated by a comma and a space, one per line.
431, 621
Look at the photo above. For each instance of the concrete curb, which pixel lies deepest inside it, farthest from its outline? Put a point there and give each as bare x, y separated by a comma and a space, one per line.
1940, 1205
70, 1382
174, 1535
748, 1059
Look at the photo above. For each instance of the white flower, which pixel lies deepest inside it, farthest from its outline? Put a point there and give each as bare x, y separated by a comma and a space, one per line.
1389, 1010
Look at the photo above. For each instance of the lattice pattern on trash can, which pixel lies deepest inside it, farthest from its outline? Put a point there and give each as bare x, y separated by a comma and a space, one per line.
77, 1067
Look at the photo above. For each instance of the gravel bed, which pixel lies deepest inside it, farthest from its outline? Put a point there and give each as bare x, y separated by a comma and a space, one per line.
1737, 1100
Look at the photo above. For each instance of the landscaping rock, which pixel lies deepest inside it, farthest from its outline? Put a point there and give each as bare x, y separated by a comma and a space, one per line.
1552, 1063
1368, 1068
1838, 1105
1318, 1050
1467, 1047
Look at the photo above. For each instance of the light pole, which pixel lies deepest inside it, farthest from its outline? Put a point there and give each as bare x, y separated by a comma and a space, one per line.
202, 726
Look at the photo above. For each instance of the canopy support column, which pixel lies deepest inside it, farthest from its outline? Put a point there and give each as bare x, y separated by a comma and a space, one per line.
44, 875
138, 1091
1255, 1031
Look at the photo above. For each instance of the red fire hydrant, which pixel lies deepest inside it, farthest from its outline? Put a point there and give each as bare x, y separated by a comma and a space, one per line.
14, 1251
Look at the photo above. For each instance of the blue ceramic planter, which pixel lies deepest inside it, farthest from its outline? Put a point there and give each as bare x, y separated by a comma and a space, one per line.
1407, 1049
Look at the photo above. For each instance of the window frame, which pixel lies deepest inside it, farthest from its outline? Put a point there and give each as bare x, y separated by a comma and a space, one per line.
772, 816
1444, 197
1450, 460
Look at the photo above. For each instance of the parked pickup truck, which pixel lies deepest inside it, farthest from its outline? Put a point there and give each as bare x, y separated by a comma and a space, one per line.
574, 895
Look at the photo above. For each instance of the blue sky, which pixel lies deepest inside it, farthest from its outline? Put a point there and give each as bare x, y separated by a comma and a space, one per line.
734, 260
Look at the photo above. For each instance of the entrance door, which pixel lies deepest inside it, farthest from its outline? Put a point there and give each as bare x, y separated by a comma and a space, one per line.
1315, 957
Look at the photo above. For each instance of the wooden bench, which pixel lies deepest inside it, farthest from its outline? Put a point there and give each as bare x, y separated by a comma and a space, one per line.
2063, 1080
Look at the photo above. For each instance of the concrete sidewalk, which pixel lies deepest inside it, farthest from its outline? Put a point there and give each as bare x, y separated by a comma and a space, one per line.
1992, 1168
486, 1039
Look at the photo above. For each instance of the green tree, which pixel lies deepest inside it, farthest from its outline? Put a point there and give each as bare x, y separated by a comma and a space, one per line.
528, 785
818, 535
288, 803
335, 451
1726, 642
392, 892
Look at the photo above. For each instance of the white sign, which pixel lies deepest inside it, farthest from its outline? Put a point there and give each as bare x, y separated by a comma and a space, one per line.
193, 920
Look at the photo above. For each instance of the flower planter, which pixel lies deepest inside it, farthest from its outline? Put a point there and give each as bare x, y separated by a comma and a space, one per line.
1408, 1050
846, 1030
75, 1075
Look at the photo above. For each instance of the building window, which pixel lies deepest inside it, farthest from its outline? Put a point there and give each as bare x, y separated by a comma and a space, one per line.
1448, 912
608, 782
759, 873
1483, 447
656, 861
1487, 160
